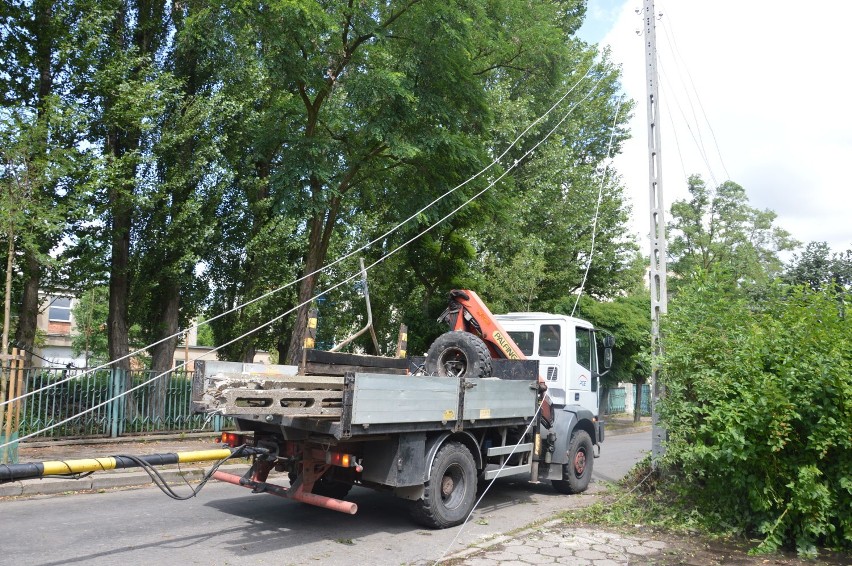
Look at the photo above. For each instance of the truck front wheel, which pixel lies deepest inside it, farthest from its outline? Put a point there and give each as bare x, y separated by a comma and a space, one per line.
450, 493
577, 472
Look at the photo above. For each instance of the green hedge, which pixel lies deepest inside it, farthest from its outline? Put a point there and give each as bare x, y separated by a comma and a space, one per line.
759, 411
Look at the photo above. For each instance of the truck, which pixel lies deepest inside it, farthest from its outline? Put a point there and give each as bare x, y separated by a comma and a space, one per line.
495, 396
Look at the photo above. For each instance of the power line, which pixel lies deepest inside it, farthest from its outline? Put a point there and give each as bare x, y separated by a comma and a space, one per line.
337, 261
669, 30
686, 121
514, 165
598, 205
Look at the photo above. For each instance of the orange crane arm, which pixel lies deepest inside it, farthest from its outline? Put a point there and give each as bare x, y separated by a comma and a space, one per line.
467, 312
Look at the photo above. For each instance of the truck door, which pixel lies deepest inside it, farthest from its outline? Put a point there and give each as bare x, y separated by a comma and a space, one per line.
546, 343
584, 381
551, 347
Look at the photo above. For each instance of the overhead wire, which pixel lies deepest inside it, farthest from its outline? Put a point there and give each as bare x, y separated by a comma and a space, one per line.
328, 266
677, 140
598, 204
701, 151
521, 438
673, 45
357, 274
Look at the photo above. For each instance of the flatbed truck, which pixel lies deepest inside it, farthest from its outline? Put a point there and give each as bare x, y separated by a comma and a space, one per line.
510, 395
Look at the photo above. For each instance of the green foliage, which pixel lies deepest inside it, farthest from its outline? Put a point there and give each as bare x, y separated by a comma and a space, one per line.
759, 407
90, 337
718, 231
199, 155
205, 335
819, 268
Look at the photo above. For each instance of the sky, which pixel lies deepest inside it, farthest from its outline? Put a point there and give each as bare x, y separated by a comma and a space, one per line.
755, 91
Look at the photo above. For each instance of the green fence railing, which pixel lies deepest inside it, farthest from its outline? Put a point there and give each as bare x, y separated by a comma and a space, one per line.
617, 401
88, 404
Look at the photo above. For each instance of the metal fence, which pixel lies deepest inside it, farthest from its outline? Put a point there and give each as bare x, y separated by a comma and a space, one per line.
645, 409
617, 401
87, 401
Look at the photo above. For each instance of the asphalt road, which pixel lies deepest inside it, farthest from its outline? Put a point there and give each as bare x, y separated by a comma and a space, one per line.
230, 525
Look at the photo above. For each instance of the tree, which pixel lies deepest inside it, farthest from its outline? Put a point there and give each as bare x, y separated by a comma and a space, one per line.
40, 150
718, 230
90, 314
174, 220
758, 410
819, 268
376, 108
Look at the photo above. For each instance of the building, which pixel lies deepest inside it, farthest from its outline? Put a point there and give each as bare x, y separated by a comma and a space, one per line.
56, 323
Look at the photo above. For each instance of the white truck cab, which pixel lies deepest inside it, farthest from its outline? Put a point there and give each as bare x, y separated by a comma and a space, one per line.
567, 351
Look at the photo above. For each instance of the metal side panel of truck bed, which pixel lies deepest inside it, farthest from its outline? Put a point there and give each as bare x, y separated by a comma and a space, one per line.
359, 404
385, 399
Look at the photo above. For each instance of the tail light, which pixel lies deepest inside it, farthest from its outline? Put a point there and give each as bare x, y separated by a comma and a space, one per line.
342, 460
233, 439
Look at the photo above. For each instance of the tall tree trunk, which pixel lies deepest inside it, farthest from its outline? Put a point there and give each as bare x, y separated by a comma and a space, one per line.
44, 47
28, 312
7, 300
119, 280
319, 238
637, 408
163, 354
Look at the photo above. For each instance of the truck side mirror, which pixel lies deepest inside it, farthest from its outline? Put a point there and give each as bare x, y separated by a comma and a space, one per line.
607, 361
609, 341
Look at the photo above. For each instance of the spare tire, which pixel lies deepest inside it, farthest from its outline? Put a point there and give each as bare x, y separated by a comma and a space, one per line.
458, 354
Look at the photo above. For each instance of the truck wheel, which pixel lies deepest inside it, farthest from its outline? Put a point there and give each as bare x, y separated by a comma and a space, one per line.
577, 473
450, 493
458, 353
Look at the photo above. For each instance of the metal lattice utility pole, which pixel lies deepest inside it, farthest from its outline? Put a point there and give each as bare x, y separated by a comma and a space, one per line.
659, 300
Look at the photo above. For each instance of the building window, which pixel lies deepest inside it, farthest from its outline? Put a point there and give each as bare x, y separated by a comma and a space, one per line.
60, 309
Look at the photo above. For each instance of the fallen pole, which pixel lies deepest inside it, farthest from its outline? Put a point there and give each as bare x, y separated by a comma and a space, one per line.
346, 507
14, 472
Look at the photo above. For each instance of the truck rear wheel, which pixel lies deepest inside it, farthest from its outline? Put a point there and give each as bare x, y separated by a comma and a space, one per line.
457, 354
450, 493
577, 473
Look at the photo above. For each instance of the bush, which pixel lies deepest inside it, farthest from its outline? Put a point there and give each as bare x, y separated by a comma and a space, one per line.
759, 411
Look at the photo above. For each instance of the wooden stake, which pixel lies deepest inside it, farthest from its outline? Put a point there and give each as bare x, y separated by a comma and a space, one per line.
3, 360
9, 409
19, 371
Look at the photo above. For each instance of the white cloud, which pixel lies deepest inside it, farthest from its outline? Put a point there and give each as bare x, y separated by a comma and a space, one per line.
773, 79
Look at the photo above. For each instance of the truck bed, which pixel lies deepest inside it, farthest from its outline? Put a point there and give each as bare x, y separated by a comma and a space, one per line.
362, 403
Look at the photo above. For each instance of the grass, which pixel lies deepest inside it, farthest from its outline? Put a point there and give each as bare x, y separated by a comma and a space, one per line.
645, 500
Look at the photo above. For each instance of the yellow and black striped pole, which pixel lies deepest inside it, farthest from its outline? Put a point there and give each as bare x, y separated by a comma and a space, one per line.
14, 472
